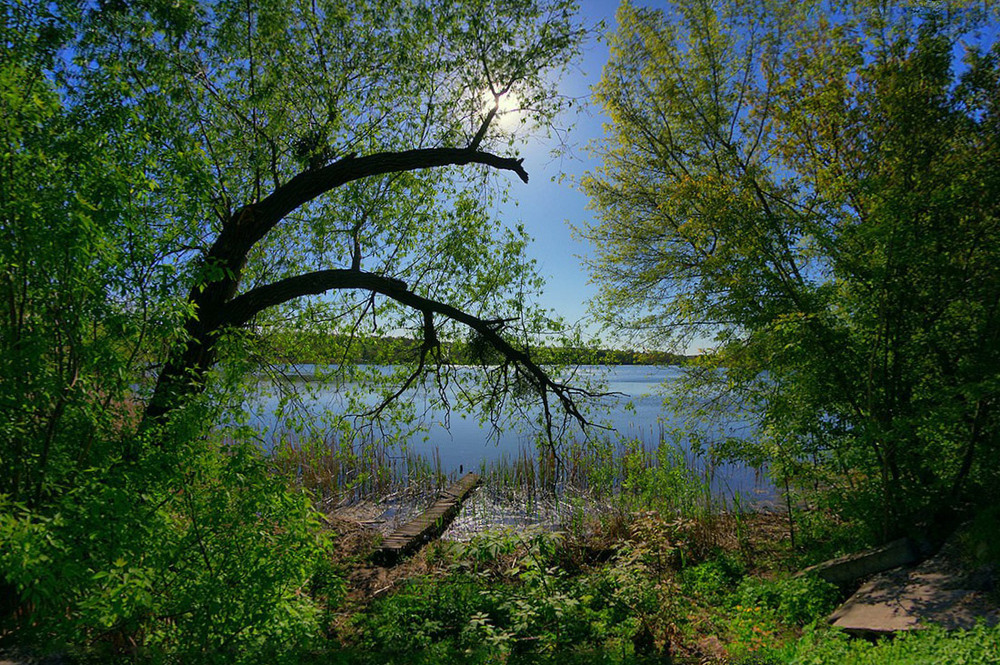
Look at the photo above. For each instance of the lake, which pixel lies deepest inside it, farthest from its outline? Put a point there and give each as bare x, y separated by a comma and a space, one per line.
638, 412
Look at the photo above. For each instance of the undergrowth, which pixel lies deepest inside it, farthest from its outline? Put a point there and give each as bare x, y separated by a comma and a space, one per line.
671, 590
933, 646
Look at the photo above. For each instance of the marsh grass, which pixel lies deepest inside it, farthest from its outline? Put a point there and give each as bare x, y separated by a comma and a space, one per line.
595, 480
579, 488
342, 473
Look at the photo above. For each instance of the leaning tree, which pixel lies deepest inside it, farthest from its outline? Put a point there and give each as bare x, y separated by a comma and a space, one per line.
294, 149
177, 179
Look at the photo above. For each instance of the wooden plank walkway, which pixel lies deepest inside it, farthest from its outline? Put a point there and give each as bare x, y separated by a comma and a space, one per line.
427, 526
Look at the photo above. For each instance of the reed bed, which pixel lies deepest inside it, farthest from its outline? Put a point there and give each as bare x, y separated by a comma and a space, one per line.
343, 473
541, 487
591, 481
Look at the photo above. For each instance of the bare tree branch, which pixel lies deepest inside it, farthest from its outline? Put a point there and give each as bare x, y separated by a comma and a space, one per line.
243, 308
312, 183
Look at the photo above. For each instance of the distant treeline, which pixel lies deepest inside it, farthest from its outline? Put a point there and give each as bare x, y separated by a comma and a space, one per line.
297, 347
610, 357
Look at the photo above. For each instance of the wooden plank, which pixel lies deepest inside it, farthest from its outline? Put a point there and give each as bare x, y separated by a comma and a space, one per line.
844, 571
428, 525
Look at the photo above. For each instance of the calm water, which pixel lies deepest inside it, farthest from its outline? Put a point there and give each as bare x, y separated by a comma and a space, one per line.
462, 445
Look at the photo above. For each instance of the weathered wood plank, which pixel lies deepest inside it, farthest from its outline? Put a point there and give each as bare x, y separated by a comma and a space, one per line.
428, 525
844, 570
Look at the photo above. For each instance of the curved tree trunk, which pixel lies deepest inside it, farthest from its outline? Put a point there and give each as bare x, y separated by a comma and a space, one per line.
217, 305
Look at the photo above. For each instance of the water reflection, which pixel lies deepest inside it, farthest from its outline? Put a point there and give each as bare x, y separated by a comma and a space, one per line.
454, 443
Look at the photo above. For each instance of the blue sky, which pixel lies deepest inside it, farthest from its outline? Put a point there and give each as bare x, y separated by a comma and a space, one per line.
545, 206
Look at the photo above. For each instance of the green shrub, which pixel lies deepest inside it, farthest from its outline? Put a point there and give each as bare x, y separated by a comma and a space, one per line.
712, 580
934, 646
665, 479
795, 600
425, 612
209, 560
513, 601
981, 539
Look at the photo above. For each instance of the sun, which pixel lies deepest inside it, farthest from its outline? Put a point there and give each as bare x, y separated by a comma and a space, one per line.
509, 109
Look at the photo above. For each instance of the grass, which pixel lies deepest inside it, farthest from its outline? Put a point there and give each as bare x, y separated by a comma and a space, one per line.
342, 473
531, 487
614, 553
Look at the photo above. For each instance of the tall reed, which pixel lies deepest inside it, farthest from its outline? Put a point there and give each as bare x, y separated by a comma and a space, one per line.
341, 472
652, 471
617, 474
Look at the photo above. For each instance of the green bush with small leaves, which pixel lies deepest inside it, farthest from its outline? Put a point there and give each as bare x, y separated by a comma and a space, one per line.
795, 600
510, 599
712, 580
933, 646
215, 564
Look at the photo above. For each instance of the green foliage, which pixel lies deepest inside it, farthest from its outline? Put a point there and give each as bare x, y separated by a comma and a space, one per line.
511, 601
214, 564
713, 580
666, 479
753, 634
808, 186
980, 539
754, 616
822, 535
795, 600
139, 142
933, 646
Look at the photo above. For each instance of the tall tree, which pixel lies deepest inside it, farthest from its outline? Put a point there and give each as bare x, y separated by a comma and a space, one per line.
816, 188
177, 177
282, 150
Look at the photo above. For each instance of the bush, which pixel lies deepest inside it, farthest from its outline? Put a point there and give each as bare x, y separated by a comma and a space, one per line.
980, 538
712, 580
513, 601
209, 560
934, 646
795, 600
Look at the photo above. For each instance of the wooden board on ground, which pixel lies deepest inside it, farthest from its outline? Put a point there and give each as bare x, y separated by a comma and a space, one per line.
427, 526
942, 591
845, 570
